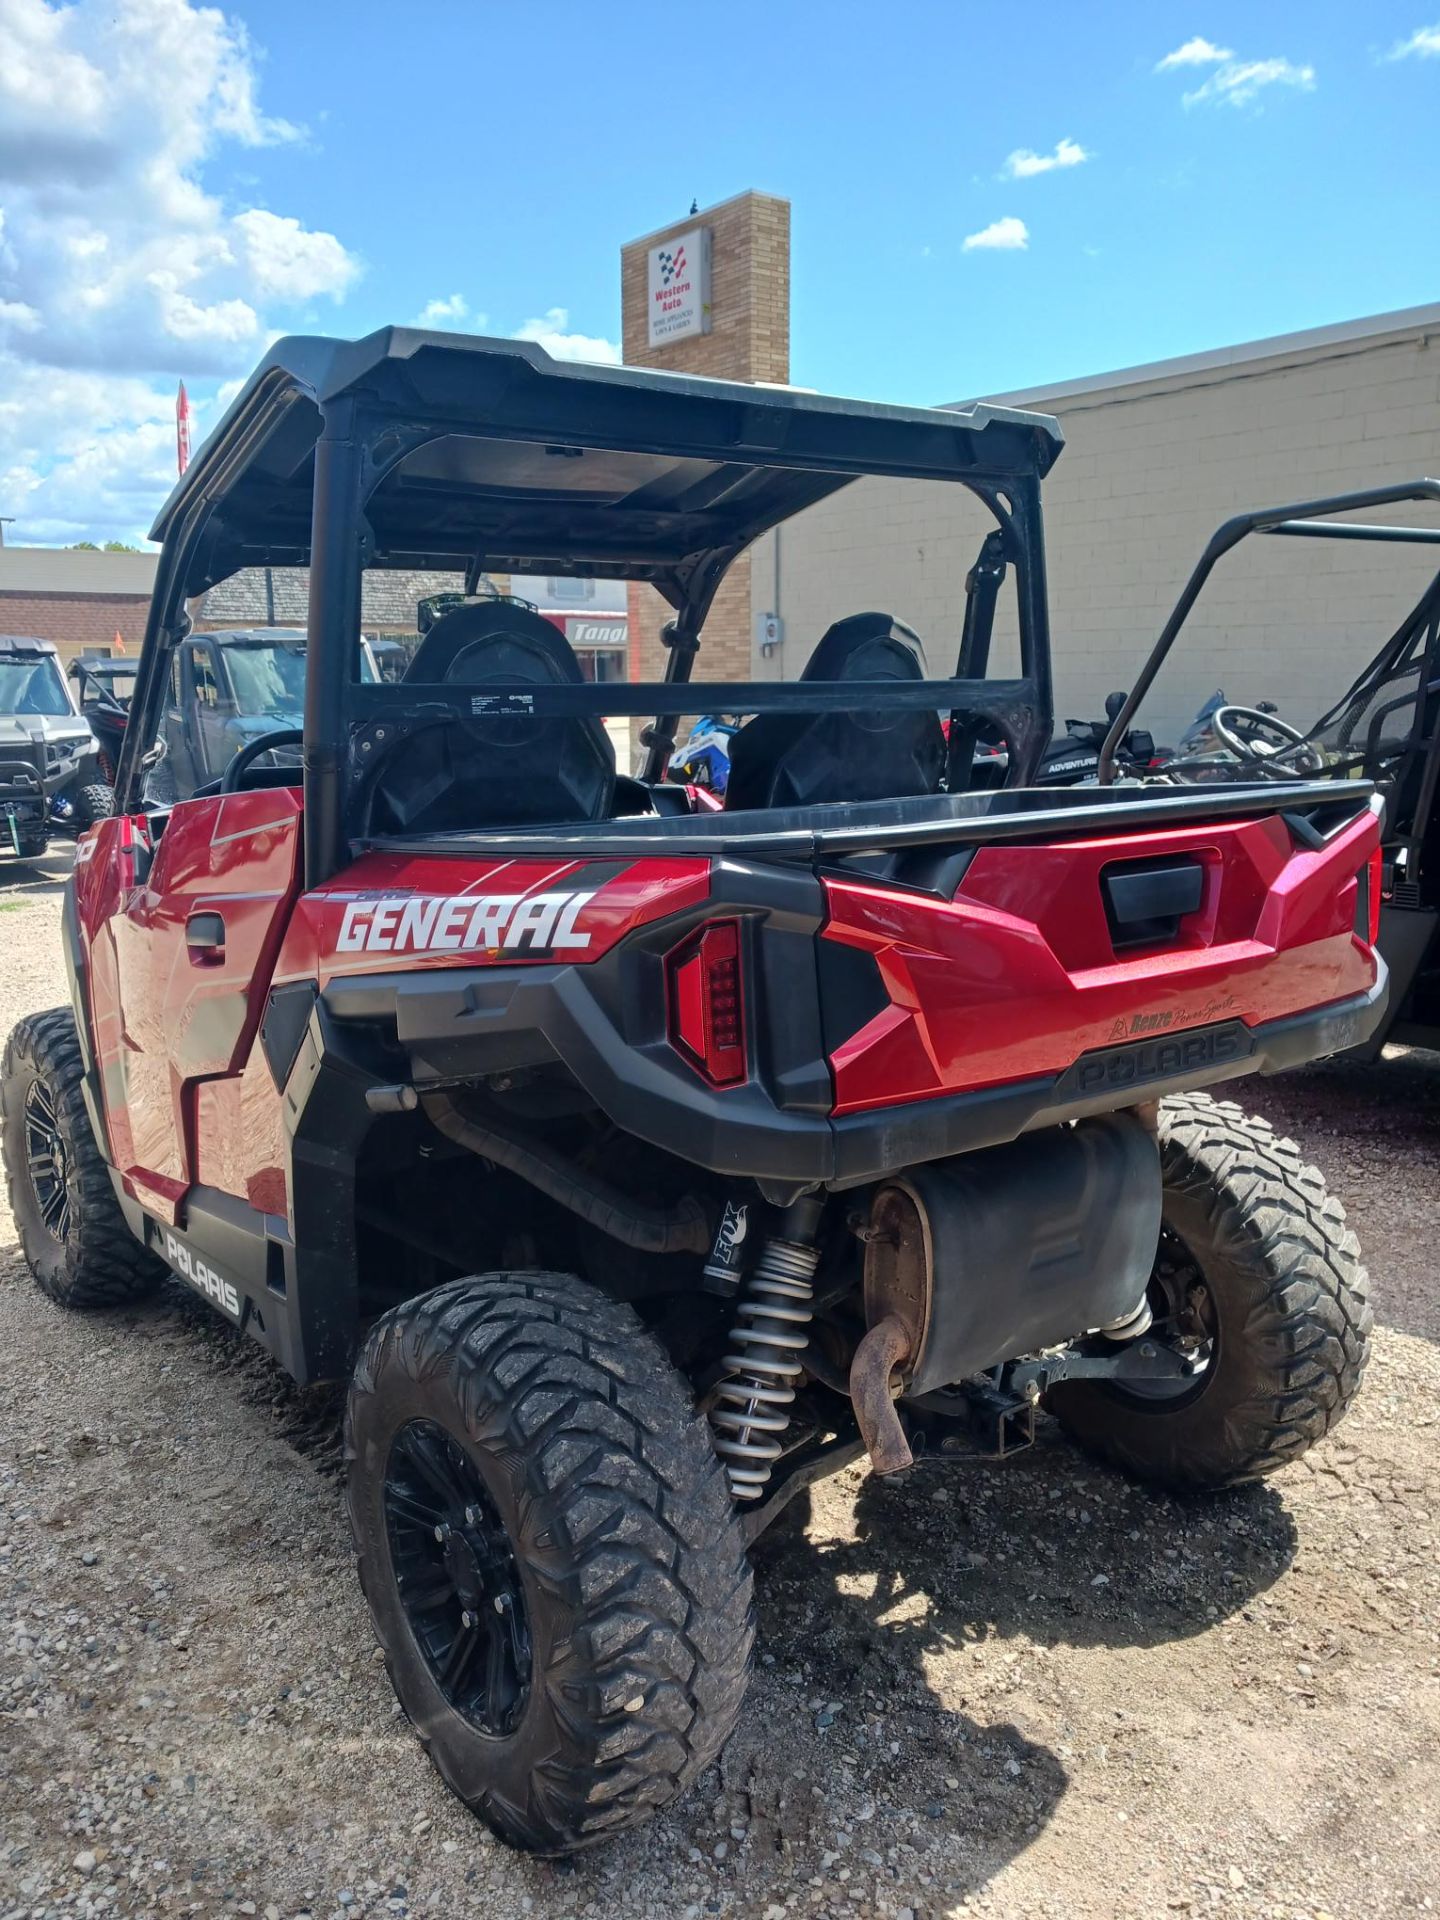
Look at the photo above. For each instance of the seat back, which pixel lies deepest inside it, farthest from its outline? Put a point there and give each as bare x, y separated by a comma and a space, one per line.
495, 770
797, 760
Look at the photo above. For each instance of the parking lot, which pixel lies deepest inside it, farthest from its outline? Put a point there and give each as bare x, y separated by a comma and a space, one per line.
1024, 1689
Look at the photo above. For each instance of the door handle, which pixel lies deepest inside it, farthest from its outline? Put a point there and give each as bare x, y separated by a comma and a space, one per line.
205, 936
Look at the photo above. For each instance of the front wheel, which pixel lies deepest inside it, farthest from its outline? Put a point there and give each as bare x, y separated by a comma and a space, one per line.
1260, 1280
92, 803
73, 1234
550, 1554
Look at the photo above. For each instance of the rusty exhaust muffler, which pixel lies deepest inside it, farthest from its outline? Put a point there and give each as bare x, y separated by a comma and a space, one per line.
883, 1349
896, 1313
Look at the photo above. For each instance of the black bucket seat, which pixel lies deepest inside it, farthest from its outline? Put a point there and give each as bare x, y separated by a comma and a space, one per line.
490, 770
812, 759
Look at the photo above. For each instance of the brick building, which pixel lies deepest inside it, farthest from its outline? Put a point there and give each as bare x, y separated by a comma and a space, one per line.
79, 600
747, 338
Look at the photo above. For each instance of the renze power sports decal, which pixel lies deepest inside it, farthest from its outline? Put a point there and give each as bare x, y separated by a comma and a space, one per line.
507, 922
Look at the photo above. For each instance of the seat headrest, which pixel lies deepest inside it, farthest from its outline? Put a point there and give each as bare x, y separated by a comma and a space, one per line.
494, 641
867, 646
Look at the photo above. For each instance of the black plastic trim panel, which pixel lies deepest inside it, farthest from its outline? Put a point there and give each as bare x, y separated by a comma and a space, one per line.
605, 1021
820, 834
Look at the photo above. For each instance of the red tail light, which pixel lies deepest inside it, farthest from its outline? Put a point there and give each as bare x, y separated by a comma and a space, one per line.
707, 1002
1375, 870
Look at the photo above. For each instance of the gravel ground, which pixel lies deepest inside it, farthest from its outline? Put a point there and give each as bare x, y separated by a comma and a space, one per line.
1023, 1690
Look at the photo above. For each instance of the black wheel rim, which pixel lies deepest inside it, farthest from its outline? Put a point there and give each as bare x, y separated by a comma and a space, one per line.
47, 1160
1184, 1318
457, 1577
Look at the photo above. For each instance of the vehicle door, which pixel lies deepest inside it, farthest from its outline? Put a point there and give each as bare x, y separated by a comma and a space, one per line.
181, 914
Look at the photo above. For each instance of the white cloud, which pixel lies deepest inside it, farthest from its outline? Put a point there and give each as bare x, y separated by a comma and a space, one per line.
451, 314
15, 313
1234, 82
1238, 82
124, 268
1024, 164
1004, 236
1198, 52
551, 331
1424, 44
120, 270
289, 262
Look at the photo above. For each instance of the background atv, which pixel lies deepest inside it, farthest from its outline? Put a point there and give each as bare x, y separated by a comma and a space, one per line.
227, 691
1384, 728
103, 691
50, 772
641, 1164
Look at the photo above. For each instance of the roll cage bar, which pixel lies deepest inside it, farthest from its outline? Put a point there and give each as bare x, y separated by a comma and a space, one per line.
1307, 519
412, 449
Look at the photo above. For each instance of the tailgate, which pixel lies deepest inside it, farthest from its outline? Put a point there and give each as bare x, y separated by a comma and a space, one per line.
1123, 958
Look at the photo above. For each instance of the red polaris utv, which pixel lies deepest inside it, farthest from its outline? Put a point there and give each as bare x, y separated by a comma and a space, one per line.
638, 1165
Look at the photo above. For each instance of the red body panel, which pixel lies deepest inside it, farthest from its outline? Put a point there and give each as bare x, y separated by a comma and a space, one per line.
165, 1020
1015, 977
502, 912
1018, 975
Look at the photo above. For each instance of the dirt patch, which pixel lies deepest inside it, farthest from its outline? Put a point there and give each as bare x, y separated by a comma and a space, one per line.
1029, 1690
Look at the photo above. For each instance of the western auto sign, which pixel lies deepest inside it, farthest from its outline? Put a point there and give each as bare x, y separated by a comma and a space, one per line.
679, 287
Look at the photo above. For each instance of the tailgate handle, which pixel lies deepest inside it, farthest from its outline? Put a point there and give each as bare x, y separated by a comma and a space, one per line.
1145, 904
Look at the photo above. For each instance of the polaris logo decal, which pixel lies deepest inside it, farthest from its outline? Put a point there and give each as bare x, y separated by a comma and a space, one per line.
1182, 1053
203, 1278
492, 922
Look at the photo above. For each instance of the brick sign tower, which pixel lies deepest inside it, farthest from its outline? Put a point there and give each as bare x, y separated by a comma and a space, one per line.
709, 294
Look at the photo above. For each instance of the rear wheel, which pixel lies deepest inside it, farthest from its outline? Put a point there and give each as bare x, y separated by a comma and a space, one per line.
1260, 1280
75, 1238
550, 1554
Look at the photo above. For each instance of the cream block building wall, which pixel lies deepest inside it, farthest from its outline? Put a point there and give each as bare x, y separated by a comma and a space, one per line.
1155, 458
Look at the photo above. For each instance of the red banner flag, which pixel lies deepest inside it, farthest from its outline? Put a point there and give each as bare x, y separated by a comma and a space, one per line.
182, 428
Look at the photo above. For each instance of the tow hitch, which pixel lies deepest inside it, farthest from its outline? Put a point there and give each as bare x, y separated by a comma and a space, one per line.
994, 1417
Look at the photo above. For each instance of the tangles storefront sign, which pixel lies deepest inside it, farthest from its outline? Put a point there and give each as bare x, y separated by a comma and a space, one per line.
679, 287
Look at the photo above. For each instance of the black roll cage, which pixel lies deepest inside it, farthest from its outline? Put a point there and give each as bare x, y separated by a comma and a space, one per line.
394, 451
1305, 519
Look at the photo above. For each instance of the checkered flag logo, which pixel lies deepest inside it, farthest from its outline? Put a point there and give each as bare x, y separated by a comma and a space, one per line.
672, 265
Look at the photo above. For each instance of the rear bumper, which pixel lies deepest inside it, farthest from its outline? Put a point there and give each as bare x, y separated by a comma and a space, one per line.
464, 1022
1099, 1082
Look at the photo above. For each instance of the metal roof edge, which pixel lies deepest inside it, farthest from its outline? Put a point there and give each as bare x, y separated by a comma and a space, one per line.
1370, 330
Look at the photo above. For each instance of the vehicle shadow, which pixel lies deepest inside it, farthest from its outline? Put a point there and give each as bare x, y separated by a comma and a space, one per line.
903, 1652
46, 875
901, 1660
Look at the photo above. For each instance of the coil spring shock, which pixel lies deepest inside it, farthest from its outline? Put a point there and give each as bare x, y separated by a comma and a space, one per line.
752, 1402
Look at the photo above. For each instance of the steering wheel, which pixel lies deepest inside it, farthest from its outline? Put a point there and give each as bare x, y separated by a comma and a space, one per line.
252, 750
1266, 739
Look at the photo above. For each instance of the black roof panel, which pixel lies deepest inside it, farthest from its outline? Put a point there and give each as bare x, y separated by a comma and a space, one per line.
493, 448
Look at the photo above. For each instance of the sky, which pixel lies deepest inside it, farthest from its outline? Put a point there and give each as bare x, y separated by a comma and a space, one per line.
985, 198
